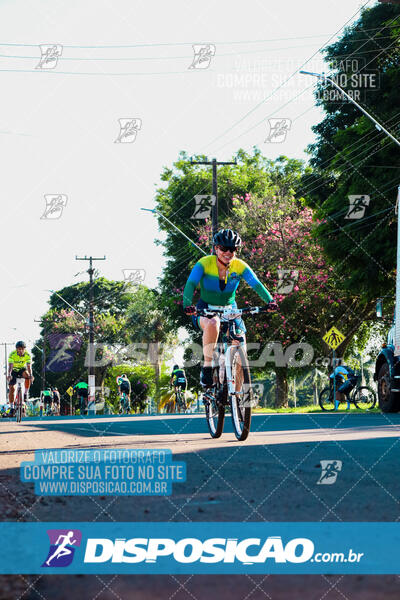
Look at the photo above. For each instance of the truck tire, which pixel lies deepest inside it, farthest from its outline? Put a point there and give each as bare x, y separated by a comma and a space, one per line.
388, 401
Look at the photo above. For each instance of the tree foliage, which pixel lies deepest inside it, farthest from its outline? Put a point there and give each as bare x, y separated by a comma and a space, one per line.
350, 157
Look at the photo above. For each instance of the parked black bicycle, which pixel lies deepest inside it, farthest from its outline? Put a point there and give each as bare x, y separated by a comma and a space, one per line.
362, 396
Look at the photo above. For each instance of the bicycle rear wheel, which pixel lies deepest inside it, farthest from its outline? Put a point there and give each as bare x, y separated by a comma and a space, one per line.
325, 399
241, 400
364, 398
214, 402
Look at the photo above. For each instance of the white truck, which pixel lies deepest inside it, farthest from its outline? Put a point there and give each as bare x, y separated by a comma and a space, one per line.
387, 365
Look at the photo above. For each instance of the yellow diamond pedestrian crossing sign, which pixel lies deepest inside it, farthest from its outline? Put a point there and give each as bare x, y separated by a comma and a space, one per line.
70, 391
334, 338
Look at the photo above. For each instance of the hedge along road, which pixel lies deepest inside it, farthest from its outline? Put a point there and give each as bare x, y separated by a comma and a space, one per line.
272, 476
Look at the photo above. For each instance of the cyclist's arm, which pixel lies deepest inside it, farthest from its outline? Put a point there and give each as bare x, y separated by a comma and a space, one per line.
10, 368
251, 278
191, 284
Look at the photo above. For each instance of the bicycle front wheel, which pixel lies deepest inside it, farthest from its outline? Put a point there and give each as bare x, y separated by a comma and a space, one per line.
241, 400
364, 398
214, 402
325, 400
18, 407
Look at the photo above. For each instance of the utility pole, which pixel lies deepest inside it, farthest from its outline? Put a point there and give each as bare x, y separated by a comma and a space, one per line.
214, 163
91, 377
5, 344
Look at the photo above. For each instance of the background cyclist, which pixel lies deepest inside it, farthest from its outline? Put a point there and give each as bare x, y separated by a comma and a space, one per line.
56, 401
124, 386
82, 392
19, 365
178, 380
218, 276
47, 398
346, 379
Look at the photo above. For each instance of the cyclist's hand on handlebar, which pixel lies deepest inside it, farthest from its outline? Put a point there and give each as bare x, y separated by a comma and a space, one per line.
272, 305
190, 310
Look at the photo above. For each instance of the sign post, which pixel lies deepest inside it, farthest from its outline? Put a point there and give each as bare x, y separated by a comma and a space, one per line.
70, 391
334, 338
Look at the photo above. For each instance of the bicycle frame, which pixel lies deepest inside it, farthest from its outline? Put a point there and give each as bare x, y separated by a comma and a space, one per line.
124, 402
226, 316
19, 393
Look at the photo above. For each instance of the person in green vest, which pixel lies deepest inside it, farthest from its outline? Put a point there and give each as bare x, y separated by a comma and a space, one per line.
47, 398
82, 392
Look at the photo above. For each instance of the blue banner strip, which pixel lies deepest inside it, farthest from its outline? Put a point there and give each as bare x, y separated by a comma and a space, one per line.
200, 548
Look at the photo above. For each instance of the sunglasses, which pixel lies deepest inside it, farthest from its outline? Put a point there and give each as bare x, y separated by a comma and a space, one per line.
227, 249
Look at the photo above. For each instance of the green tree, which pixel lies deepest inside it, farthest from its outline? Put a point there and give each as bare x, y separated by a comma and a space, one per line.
176, 201
350, 157
142, 384
277, 230
62, 347
148, 321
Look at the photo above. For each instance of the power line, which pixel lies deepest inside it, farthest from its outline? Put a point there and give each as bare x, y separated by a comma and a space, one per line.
286, 80
277, 110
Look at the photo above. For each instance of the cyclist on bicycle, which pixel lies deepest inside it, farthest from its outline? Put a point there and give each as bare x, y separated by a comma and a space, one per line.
56, 401
47, 397
19, 366
178, 380
82, 392
346, 380
124, 387
218, 276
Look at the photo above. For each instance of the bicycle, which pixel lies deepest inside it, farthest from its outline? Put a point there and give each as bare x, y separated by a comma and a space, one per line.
231, 375
362, 396
48, 411
19, 400
124, 404
180, 399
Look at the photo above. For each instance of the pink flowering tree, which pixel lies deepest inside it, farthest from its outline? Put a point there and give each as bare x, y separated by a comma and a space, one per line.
279, 245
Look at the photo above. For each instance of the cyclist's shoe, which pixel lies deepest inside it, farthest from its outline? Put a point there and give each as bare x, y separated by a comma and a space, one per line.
206, 378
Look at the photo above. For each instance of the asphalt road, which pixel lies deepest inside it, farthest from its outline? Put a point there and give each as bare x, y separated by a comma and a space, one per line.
271, 476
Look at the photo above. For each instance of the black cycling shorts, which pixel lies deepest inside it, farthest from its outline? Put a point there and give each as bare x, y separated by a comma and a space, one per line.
15, 375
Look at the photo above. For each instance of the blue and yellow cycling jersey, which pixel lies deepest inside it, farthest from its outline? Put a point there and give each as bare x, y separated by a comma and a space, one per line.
19, 362
205, 275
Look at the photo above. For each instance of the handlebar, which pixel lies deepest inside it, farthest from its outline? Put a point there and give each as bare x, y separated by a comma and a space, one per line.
232, 312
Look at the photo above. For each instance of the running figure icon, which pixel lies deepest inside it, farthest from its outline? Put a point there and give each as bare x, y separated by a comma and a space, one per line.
62, 549
63, 543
